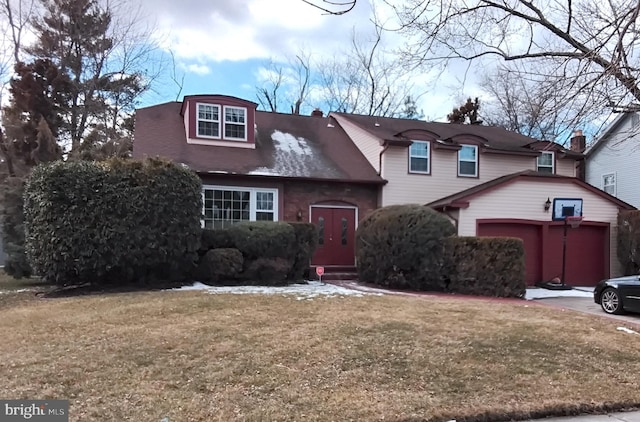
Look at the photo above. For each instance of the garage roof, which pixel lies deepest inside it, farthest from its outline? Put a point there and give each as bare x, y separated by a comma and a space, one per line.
461, 199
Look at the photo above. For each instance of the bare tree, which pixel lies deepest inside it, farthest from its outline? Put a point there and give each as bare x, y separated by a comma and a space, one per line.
271, 85
285, 83
365, 79
592, 43
332, 7
538, 104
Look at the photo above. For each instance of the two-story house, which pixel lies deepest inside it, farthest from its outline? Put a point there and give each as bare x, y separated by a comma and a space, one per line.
612, 161
492, 182
333, 170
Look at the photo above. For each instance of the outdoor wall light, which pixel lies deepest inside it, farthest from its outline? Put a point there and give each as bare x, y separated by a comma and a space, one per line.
547, 205
299, 215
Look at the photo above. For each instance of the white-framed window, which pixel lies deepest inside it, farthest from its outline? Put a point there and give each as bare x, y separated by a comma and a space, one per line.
227, 205
419, 157
468, 161
546, 162
208, 120
235, 123
609, 183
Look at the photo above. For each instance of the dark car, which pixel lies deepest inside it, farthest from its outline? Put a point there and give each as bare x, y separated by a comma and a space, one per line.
617, 295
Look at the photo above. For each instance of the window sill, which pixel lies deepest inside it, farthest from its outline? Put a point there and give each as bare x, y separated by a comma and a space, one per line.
226, 142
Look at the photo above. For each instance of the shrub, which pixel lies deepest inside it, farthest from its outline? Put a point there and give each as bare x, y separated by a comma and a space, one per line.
16, 263
264, 239
401, 246
629, 241
485, 266
220, 265
116, 221
306, 235
267, 271
214, 239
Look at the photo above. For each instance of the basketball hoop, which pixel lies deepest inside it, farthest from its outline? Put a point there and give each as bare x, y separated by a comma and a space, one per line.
574, 222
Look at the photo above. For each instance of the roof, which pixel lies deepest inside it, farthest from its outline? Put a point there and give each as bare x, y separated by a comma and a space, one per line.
287, 146
492, 138
602, 139
461, 199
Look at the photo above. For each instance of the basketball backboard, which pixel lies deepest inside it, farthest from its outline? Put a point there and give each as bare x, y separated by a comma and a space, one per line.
566, 207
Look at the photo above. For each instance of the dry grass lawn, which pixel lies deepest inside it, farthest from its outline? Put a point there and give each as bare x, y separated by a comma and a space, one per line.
191, 356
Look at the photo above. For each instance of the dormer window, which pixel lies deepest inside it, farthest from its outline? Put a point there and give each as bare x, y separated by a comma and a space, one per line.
209, 120
219, 120
235, 123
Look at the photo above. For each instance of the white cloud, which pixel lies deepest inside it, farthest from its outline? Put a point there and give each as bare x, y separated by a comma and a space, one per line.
199, 69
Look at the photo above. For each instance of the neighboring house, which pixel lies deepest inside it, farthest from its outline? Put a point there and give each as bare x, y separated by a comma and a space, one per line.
492, 182
613, 160
257, 165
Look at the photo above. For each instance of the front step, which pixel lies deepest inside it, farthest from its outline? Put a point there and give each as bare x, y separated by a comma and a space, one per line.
334, 273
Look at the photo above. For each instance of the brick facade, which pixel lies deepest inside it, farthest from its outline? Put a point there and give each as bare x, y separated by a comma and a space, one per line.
299, 196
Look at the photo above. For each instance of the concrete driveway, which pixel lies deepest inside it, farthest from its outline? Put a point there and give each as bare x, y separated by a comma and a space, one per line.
587, 305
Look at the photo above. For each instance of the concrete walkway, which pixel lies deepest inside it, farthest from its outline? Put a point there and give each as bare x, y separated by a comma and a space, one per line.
612, 417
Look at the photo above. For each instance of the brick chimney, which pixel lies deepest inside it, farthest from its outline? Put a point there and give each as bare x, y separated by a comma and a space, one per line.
317, 113
578, 142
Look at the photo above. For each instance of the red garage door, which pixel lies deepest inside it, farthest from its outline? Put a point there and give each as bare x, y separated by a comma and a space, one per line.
587, 249
530, 234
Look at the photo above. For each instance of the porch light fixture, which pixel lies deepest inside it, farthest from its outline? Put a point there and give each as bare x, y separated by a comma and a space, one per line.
547, 205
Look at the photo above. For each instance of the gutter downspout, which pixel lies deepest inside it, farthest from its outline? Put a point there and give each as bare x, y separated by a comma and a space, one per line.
380, 159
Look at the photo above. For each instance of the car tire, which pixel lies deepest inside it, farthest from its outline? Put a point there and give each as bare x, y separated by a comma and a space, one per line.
610, 301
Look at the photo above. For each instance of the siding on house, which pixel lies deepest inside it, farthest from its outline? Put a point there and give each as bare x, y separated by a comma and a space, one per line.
368, 144
619, 154
524, 199
443, 181
566, 168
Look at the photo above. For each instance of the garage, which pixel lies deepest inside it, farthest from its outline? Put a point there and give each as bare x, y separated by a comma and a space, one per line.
587, 249
520, 205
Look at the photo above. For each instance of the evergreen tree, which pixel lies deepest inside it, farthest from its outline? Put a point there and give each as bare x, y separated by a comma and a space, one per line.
466, 113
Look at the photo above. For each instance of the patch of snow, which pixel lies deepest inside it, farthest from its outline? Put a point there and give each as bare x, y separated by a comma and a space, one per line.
536, 293
14, 291
289, 143
263, 171
626, 330
295, 156
313, 289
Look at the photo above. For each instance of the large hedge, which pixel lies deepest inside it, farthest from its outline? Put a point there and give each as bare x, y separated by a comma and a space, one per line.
402, 246
485, 266
117, 221
629, 241
16, 263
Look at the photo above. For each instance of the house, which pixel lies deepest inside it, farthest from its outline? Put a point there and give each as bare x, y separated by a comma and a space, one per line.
258, 165
492, 182
612, 161
333, 170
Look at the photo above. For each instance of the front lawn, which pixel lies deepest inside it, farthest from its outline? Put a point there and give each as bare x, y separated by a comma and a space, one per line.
191, 356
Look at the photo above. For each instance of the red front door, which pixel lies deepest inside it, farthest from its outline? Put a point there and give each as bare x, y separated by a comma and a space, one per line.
336, 235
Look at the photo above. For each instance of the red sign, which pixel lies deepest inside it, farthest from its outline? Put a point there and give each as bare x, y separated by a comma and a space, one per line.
320, 271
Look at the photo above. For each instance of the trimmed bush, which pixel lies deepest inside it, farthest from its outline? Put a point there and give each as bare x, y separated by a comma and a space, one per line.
267, 271
629, 241
220, 265
264, 239
214, 239
485, 266
402, 246
306, 235
118, 221
16, 263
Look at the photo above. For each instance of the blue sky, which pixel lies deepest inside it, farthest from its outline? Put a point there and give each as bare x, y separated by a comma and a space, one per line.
223, 47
